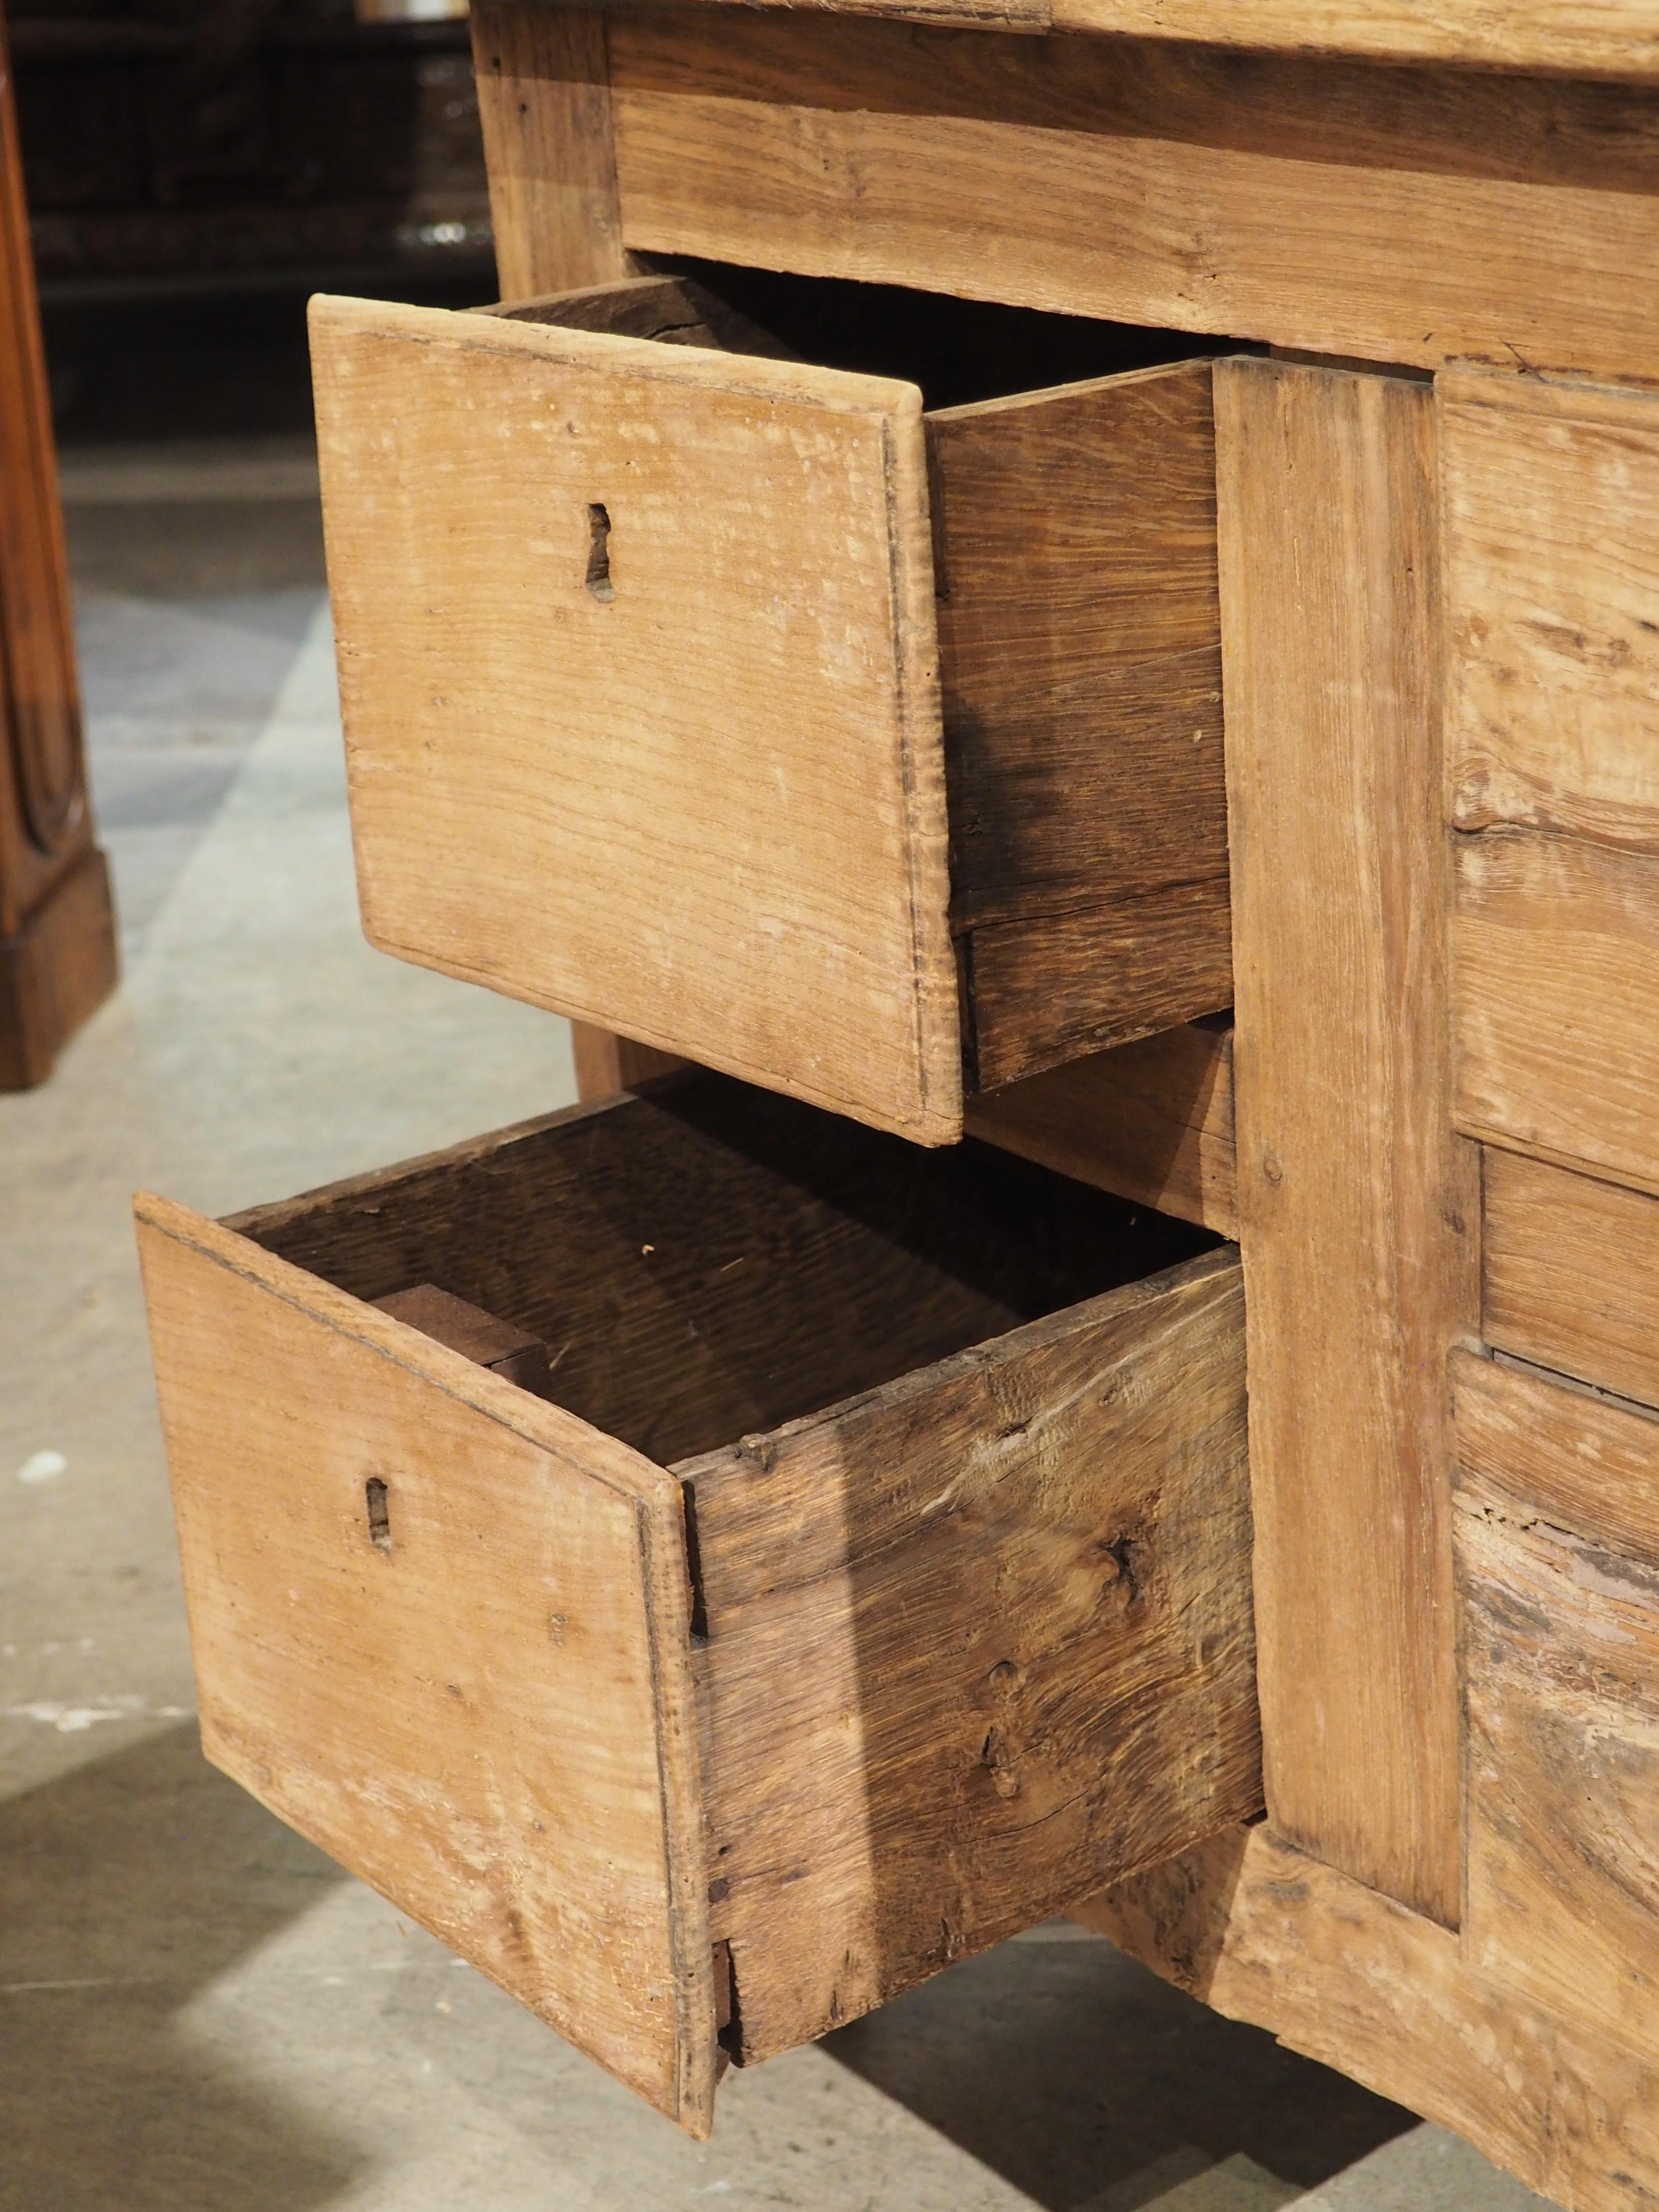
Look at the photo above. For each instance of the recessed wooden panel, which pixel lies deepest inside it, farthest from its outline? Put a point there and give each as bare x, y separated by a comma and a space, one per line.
1569, 1273
487, 1713
1555, 998
1400, 215
1552, 512
1560, 1638
1359, 1210
686, 738
1152, 1120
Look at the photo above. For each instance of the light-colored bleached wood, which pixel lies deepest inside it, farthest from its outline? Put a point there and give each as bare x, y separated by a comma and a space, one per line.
1358, 1212
1266, 1934
1569, 1273
1472, 217
1152, 1120
544, 103
1557, 999
1552, 517
703, 803
970, 1637
490, 1720
1560, 1638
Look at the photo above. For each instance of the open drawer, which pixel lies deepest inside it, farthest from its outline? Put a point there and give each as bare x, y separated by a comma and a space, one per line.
865, 1577
732, 703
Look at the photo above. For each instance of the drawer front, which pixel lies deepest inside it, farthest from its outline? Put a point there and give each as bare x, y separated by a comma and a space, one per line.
732, 703
440, 1627
639, 673
700, 1760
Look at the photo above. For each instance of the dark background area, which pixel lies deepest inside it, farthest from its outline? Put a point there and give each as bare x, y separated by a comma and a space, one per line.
196, 168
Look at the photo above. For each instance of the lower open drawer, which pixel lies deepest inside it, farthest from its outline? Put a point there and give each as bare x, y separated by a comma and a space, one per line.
857, 1571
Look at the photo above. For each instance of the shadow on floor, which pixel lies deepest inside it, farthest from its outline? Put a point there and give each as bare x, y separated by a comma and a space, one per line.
125, 1888
1078, 2077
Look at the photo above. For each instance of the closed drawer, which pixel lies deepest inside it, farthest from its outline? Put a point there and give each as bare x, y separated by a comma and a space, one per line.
737, 704
857, 1571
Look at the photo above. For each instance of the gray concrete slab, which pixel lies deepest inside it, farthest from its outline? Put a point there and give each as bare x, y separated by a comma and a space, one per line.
198, 2013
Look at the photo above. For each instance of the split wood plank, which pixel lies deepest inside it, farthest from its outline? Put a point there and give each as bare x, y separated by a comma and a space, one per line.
1265, 1933
970, 1638
1557, 999
1615, 38
1551, 519
1359, 1210
544, 103
1569, 1273
1463, 217
509, 1752
1152, 1120
1560, 1638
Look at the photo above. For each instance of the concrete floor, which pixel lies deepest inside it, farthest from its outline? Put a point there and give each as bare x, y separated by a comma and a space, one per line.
197, 2012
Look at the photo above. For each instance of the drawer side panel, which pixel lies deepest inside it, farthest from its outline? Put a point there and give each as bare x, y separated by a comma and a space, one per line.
977, 1644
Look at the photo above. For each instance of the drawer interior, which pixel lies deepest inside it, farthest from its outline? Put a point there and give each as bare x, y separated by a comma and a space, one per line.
716, 1260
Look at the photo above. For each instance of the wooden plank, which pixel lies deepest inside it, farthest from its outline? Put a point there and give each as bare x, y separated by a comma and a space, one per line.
1045, 989
1582, 1462
1557, 999
1615, 38
1358, 1212
1435, 217
679, 1254
1552, 513
508, 1755
975, 1640
1152, 1120
544, 103
1266, 1934
699, 796
1569, 1273
511, 1353
1561, 1670
606, 1063
1080, 674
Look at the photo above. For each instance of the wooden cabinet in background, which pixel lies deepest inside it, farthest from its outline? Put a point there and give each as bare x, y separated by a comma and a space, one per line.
57, 928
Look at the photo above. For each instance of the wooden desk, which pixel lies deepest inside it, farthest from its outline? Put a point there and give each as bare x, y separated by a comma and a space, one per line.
1439, 514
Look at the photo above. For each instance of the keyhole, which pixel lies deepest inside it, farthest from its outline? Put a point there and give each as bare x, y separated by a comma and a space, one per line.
599, 553
380, 1521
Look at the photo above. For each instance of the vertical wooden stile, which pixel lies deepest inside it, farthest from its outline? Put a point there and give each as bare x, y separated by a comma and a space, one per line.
1358, 1209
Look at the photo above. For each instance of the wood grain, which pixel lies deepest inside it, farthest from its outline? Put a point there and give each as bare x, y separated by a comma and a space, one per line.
1561, 1666
1557, 999
490, 1719
544, 103
606, 1063
702, 804
1266, 1934
1080, 670
1436, 216
1611, 37
1581, 1462
895, 1782
678, 1254
1552, 517
1359, 1213
1569, 1273
1152, 1120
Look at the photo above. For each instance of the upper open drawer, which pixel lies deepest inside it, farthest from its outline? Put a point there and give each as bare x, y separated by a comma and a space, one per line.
732, 703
